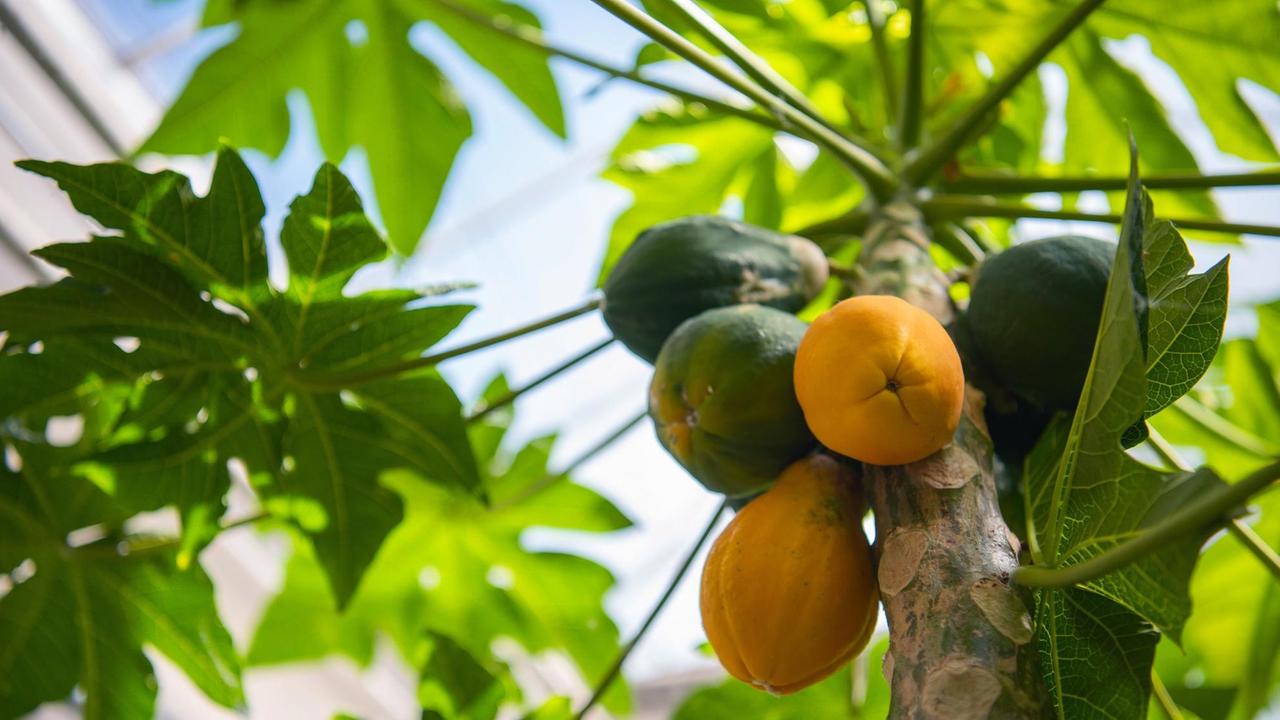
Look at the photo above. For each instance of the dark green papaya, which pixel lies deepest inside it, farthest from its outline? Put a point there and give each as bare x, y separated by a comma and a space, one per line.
678, 269
1033, 316
1014, 423
722, 398
1015, 427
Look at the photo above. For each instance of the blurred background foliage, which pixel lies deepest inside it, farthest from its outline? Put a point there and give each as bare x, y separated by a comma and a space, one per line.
452, 581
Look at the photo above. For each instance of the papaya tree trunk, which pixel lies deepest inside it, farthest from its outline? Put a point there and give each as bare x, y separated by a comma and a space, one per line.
960, 637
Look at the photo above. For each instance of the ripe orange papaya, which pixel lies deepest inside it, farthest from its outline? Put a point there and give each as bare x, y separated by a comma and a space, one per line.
880, 380
788, 594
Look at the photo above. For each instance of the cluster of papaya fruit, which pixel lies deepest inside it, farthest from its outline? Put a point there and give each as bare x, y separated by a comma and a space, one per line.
777, 414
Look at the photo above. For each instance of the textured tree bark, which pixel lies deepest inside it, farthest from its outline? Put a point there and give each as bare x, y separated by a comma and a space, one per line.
960, 643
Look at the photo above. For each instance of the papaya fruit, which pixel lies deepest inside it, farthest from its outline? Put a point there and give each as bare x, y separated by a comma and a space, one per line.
1033, 316
788, 595
1015, 426
722, 399
1014, 423
676, 270
879, 380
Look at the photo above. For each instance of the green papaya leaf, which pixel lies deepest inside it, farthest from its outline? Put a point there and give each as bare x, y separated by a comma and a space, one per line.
851, 693
366, 85
456, 685
522, 70
455, 565
1235, 407
1211, 48
1095, 655
1135, 497
1233, 416
557, 708
682, 162
1098, 130
1235, 597
1186, 316
1212, 51
56, 380
214, 241
1085, 494
82, 616
221, 366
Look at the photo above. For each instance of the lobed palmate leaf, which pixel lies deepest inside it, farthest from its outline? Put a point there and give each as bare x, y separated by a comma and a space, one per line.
80, 616
1085, 494
456, 568
167, 341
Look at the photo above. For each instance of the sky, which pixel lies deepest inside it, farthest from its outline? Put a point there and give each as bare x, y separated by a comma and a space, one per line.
525, 216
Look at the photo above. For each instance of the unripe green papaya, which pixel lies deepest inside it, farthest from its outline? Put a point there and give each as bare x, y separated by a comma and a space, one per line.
1033, 316
678, 269
722, 398
1015, 427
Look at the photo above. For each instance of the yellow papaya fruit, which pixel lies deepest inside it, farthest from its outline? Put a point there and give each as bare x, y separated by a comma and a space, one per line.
788, 594
879, 380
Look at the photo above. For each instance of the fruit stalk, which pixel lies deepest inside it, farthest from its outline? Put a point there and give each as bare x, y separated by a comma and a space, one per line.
960, 636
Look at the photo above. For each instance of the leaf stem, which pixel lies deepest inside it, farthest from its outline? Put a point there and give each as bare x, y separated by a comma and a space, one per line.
935, 155
949, 207
880, 180
338, 382
1021, 184
1166, 451
1163, 698
849, 273
913, 91
552, 478
514, 394
1227, 431
753, 65
880, 45
853, 222
1241, 531
1256, 545
616, 668
1205, 511
951, 237
1224, 429
532, 37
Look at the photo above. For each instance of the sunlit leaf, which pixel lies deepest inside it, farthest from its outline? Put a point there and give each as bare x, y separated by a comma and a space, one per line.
839, 697
1211, 48
1236, 410
1186, 316
222, 367
456, 685
1085, 495
84, 615
680, 163
367, 86
456, 565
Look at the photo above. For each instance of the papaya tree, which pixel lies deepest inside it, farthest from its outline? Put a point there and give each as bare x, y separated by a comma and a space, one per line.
843, 314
